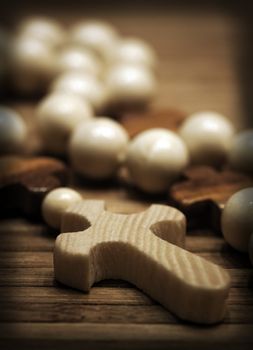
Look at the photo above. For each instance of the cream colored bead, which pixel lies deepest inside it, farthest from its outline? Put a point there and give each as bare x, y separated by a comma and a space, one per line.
13, 131
98, 36
58, 114
78, 59
55, 204
155, 158
240, 155
237, 219
32, 64
134, 51
208, 136
84, 85
44, 29
97, 148
130, 85
251, 248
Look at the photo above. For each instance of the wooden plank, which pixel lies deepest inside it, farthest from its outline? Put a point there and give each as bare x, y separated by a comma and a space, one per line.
68, 312
24, 236
41, 240
27, 276
109, 313
38, 238
20, 235
111, 295
130, 336
102, 295
44, 277
226, 259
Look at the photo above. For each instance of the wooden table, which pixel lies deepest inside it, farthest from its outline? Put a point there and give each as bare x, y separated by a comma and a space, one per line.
203, 66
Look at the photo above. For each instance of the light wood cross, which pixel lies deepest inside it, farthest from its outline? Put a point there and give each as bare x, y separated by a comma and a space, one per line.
145, 249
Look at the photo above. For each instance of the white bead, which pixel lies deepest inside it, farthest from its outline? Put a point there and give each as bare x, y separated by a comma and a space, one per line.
13, 131
78, 59
84, 85
134, 51
98, 36
58, 114
56, 203
251, 248
237, 219
241, 152
155, 158
97, 148
208, 136
32, 64
129, 85
45, 29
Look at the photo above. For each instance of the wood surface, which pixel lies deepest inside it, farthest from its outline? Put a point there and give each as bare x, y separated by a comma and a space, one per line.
205, 60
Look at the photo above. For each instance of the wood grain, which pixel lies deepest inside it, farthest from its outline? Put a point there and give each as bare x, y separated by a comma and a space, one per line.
203, 193
145, 249
205, 56
129, 295
24, 182
136, 122
134, 336
44, 277
45, 259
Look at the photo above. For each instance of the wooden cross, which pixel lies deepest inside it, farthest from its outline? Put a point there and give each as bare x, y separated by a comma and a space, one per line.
145, 249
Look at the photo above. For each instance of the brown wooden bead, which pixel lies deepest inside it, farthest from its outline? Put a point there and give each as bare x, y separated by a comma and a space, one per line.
136, 122
203, 192
25, 181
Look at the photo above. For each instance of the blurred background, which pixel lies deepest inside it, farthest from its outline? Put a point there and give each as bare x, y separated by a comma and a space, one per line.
204, 47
